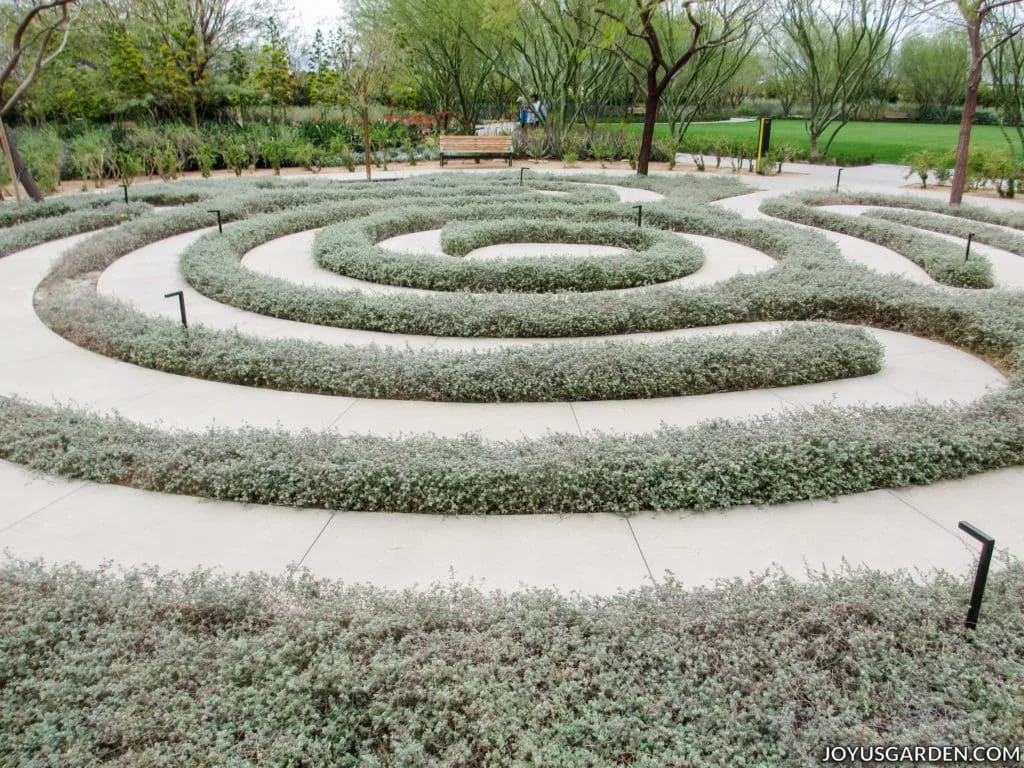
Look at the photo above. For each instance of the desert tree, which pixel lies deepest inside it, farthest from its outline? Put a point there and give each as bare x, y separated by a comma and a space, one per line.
440, 41
365, 66
838, 52
1006, 76
35, 34
989, 25
715, 76
551, 47
658, 39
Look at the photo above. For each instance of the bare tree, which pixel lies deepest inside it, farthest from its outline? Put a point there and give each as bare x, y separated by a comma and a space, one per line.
38, 33
657, 39
838, 51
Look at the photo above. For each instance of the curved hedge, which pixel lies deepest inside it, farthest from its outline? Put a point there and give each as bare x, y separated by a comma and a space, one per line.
657, 256
816, 453
943, 260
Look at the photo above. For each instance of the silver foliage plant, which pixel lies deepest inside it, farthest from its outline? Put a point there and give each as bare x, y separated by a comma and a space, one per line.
822, 452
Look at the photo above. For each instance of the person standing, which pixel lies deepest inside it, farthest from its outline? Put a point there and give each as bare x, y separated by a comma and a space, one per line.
524, 112
539, 110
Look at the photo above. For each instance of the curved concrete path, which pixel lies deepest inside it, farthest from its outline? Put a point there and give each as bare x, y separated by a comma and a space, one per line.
61, 520
291, 258
1007, 267
911, 372
875, 257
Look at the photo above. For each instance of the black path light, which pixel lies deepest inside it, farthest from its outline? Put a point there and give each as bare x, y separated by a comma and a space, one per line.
639, 215
521, 172
181, 305
967, 253
839, 175
981, 576
220, 226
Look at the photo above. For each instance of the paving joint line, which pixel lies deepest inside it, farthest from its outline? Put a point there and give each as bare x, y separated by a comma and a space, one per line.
43, 508
576, 419
293, 569
930, 519
643, 557
341, 415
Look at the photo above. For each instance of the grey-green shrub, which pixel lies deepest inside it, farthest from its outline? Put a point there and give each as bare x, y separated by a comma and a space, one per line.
659, 256
943, 260
138, 668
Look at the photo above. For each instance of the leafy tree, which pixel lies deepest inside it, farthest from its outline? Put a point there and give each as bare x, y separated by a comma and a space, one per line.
1006, 75
713, 76
323, 86
989, 25
658, 39
444, 57
838, 51
554, 48
364, 68
273, 72
34, 35
930, 70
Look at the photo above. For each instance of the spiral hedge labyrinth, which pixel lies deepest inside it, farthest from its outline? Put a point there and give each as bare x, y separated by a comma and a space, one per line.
524, 336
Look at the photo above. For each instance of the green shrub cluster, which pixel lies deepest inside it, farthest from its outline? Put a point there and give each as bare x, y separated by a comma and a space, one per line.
139, 668
943, 260
659, 256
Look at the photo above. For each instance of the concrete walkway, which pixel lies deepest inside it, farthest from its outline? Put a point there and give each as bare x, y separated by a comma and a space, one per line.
62, 520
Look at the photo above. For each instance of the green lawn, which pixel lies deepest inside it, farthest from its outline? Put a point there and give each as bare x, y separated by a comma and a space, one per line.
888, 141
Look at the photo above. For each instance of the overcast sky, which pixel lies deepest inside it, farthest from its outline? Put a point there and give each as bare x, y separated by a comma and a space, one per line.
317, 13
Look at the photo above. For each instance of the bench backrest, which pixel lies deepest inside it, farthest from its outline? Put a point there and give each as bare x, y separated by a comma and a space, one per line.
476, 143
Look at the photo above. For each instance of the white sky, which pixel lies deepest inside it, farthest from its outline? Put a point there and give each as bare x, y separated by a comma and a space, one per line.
317, 13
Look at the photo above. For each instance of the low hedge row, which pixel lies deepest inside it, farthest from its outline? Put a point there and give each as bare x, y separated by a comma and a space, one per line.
800, 354
817, 453
958, 227
1011, 219
943, 260
140, 668
658, 256
44, 229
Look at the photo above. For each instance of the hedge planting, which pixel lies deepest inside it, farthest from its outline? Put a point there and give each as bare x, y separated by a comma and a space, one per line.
943, 260
658, 256
958, 227
41, 230
815, 454
797, 354
141, 668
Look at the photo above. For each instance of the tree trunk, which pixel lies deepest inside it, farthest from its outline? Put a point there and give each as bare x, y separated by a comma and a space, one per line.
24, 174
963, 144
643, 160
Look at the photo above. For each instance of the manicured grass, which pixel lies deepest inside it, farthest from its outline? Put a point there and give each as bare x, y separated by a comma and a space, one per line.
887, 141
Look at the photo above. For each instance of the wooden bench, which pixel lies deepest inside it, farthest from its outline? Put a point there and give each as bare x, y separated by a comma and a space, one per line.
476, 146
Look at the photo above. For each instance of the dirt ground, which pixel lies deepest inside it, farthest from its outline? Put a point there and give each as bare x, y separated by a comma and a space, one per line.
78, 185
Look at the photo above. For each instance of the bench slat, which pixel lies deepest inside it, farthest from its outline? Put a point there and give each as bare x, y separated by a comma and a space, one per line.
452, 146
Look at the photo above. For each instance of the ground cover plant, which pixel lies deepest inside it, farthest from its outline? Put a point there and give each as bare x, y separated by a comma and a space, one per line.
818, 453
139, 668
958, 227
941, 259
654, 256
